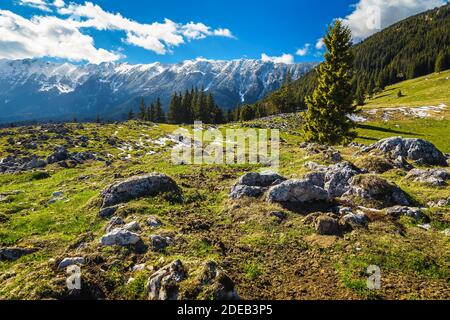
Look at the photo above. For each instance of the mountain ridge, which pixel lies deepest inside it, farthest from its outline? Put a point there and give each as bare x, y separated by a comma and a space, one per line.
44, 90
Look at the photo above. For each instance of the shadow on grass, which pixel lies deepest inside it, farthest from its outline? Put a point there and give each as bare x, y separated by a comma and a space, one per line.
368, 138
307, 208
381, 96
375, 128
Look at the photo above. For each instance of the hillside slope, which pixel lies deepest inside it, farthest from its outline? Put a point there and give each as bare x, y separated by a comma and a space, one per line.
405, 50
429, 90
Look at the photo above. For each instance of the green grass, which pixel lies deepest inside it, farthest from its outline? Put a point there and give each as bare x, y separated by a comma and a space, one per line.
253, 240
430, 90
433, 130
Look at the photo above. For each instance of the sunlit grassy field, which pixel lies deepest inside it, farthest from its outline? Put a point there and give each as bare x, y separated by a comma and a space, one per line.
430, 90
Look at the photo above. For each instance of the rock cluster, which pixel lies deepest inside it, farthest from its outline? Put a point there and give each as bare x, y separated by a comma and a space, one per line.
61, 156
376, 191
212, 282
254, 184
417, 150
435, 177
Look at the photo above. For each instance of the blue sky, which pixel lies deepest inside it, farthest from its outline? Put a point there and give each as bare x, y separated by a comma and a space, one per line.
136, 30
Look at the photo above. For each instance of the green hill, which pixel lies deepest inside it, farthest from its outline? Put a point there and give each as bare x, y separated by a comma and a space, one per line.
429, 90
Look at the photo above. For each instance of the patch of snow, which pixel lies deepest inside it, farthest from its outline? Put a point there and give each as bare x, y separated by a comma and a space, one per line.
356, 118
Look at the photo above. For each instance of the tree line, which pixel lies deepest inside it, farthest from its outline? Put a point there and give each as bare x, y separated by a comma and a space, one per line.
184, 108
194, 105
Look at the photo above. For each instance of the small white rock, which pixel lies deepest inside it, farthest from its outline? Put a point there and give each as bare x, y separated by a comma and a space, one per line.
120, 237
132, 226
139, 267
425, 226
67, 262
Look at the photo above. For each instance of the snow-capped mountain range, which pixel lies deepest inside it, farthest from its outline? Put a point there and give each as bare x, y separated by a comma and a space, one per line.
35, 89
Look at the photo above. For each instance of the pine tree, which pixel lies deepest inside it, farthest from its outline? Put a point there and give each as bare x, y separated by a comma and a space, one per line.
186, 112
326, 120
160, 117
360, 97
442, 61
230, 117
151, 113
130, 115
142, 110
174, 109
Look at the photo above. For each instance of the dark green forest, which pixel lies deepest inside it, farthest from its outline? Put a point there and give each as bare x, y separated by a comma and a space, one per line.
184, 108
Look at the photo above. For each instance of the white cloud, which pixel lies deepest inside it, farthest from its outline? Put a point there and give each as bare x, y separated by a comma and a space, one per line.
52, 36
37, 4
157, 37
320, 44
195, 31
303, 51
47, 37
284, 58
59, 3
370, 16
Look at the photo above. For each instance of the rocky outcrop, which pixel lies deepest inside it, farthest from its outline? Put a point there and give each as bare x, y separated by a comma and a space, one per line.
298, 191
254, 184
328, 226
398, 211
353, 220
326, 182
67, 262
164, 284
335, 178
138, 187
159, 243
215, 283
13, 164
434, 177
375, 191
108, 212
60, 154
154, 222
211, 282
12, 254
417, 150
120, 237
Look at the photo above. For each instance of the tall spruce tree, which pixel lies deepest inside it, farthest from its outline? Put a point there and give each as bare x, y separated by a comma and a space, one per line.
326, 120
160, 116
142, 110
151, 113
130, 115
174, 109
442, 61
